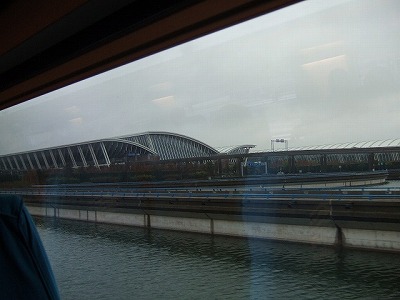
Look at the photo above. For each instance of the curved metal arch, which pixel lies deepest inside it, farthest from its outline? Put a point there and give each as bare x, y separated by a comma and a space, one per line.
394, 143
72, 154
166, 133
119, 140
238, 149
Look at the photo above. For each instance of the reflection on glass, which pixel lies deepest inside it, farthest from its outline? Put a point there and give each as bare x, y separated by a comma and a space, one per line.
318, 75
314, 73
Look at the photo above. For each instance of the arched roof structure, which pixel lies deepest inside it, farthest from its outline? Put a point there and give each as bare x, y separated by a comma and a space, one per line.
382, 150
94, 153
156, 145
105, 152
241, 149
359, 145
170, 145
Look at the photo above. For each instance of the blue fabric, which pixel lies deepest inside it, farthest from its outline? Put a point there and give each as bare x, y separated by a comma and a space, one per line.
25, 271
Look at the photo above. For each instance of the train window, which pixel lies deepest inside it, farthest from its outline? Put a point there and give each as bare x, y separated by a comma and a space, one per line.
252, 131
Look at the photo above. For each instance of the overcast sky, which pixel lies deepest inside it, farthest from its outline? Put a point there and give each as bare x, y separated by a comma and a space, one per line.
318, 72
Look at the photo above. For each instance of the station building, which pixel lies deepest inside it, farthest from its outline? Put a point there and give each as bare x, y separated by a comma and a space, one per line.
379, 152
355, 156
164, 146
106, 152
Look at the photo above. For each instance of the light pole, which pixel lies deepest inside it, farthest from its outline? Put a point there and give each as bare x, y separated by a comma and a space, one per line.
280, 141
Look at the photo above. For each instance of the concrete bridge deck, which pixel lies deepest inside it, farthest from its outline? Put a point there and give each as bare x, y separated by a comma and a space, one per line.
327, 209
347, 217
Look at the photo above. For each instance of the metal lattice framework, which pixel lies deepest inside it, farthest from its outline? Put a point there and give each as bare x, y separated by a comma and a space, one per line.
242, 149
171, 145
94, 153
383, 151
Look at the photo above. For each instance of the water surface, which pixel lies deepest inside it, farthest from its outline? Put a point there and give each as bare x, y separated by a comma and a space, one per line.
98, 261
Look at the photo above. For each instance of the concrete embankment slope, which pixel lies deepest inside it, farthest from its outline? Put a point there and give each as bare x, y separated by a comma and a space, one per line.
359, 219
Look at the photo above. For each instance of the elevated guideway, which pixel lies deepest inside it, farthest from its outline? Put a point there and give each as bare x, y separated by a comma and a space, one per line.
278, 181
360, 217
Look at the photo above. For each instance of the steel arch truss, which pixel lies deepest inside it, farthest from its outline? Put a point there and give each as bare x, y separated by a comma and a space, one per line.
96, 154
106, 152
240, 149
171, 145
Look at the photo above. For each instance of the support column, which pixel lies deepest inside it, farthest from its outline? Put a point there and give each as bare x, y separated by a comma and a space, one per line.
4, 164
219, 166
37, 161
104, 150
323, 163
371, 161
238, 165
62, 157
45, 160
16, 163
30, 161
292, 164
95, 161
9, 162
53, 159
71, 155
82, 156
22, 161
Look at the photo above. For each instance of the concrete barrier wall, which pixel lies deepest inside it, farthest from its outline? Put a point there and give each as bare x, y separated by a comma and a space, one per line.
372, 239
121, 218
72, 214
285, 232
37, 211
321, 235
181, 224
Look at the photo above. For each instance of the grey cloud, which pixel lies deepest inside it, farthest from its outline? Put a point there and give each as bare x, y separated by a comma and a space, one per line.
323, 77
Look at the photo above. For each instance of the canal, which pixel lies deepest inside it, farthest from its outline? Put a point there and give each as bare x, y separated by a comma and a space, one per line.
99, 261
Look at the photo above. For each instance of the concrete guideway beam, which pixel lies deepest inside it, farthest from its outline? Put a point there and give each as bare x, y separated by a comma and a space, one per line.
364, 224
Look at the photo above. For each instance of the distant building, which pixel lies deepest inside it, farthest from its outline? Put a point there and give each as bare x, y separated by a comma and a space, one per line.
105, 152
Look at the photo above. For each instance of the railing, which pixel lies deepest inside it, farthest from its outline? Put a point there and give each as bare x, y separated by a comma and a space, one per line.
371, 194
